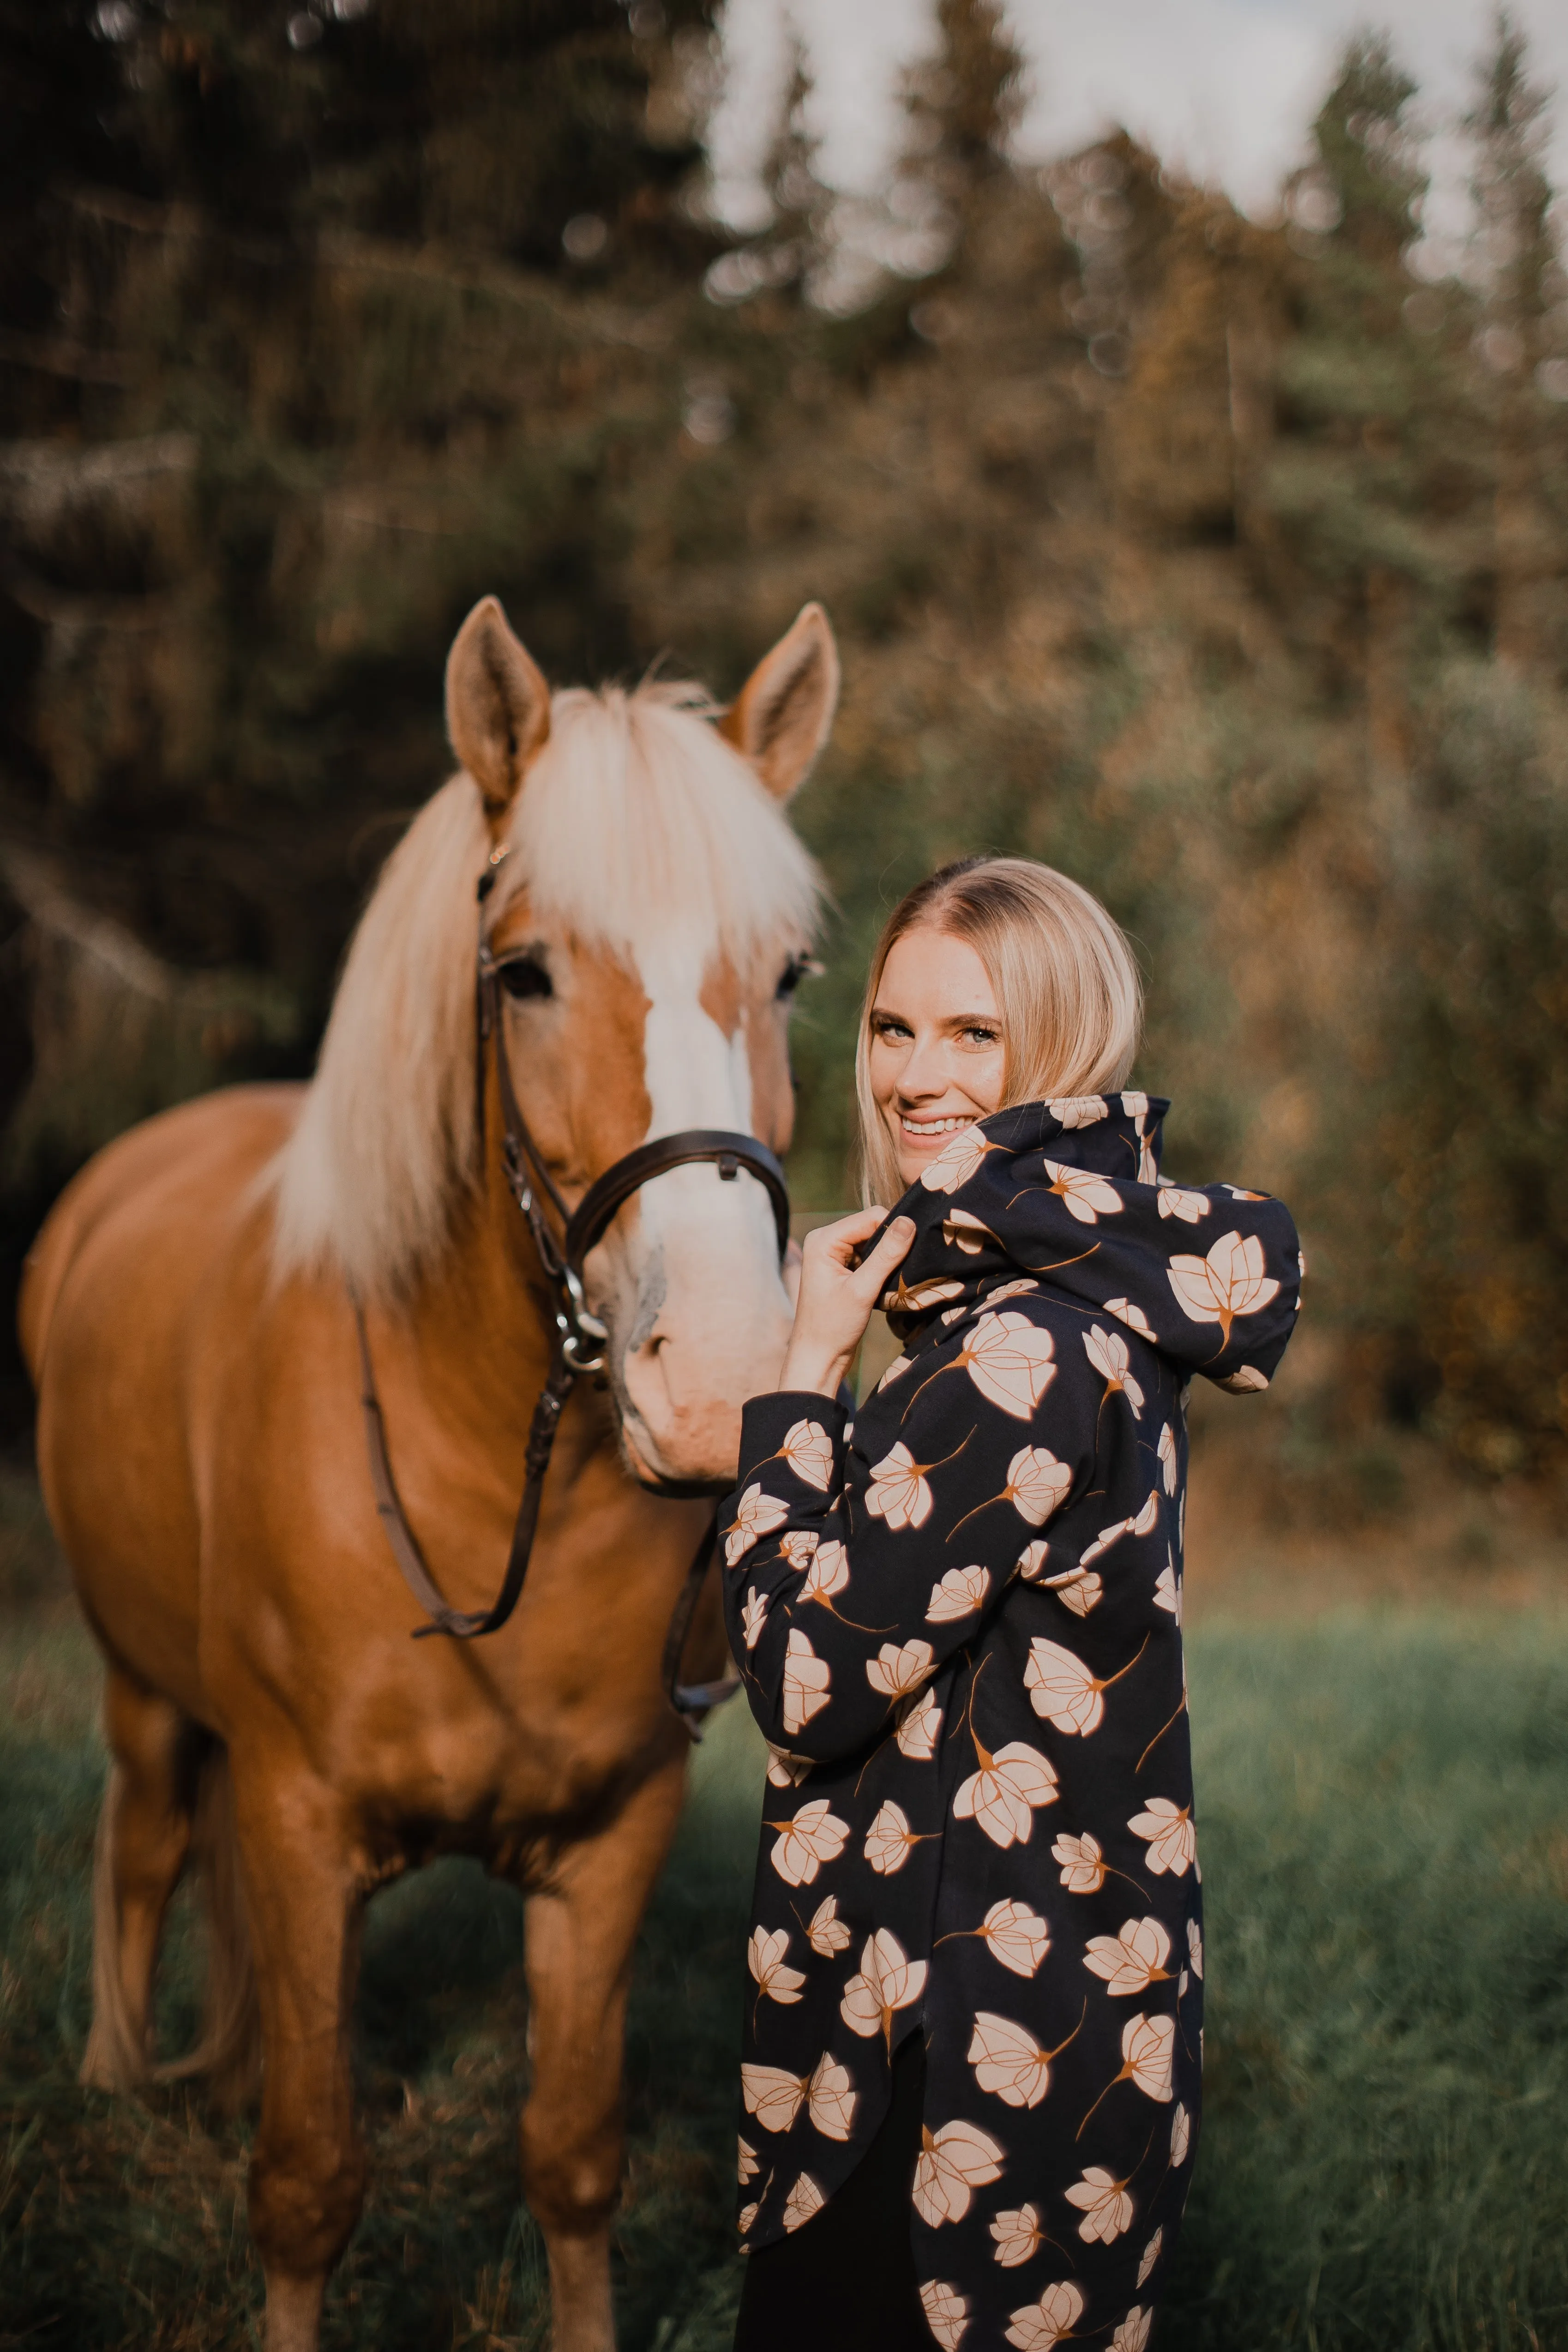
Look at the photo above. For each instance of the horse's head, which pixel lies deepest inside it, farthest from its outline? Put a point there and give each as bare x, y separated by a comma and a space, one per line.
653, 914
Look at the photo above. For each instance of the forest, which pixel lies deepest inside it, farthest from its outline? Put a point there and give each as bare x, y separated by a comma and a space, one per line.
1220, 560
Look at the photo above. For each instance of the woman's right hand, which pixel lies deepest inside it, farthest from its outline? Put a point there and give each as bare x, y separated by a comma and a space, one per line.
837, 1298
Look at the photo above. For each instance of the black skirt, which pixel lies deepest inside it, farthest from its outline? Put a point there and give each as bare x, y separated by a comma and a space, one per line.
846, 2279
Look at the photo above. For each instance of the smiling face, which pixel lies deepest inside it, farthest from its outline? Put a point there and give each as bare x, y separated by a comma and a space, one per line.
937, 1054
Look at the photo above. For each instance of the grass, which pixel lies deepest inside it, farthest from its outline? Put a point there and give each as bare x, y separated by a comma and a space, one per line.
1385, 1813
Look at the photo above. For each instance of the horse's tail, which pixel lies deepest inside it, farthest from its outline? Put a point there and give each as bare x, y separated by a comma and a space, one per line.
228, 2051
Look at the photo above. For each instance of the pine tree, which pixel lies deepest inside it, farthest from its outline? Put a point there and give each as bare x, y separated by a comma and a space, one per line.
1510, 126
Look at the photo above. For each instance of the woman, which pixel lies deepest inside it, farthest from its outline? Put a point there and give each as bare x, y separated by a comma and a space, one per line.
973, 2029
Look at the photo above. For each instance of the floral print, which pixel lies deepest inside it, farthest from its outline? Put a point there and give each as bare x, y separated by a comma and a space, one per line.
959, 1622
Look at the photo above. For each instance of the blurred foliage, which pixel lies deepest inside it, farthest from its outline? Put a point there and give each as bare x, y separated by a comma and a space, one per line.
1222, 563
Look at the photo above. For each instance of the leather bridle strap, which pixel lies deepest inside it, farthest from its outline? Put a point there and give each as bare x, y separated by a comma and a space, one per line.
579, 1338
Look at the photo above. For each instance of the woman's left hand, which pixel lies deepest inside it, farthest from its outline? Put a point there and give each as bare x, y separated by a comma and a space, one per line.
836, 1296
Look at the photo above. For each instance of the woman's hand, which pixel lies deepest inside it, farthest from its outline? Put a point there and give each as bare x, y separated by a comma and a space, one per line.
835, 1298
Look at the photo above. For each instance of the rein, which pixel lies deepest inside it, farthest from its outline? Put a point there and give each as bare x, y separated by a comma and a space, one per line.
579, 1341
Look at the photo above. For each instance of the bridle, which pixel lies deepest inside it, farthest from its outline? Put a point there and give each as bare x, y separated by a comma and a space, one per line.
580, 1337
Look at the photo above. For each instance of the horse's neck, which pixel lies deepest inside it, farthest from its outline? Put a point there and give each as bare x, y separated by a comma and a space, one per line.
483, 1317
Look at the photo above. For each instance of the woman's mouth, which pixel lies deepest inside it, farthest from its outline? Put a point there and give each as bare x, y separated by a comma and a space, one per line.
922, 1128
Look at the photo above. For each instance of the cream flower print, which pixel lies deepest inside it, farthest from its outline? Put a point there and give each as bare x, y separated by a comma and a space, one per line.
798, 1547
1084, 1196
917, 1297
1125, 1311
899, 1492
1009, 2063
1143, 1522
1168, 1592
1039, 2327
966, 1234
1077, 1589
1167, 1829
1134, 2332
803, 2199
1015, 1935
1062, 1689
1074, 1111
1167, 1456
919, 1724
1011, 1361
1017, 2235
1107, 1352
746, 2165
1181, 2138
754, 1616
1227, 1282
1004, 1796
952, 2163
957, 1162
896, 1669
1195, 1949
946, 2311
1133, 1959
756, 1515
1148, 2051
1083, 1863
1177, 1202
808, 1450
806, 1680
887, 1980
1135, 1104
828, 1573
889, 1840
960, 1594
895, 1372
1104, 2203
1037, 1483
784, 1771
748, 2215
775, 2096
1151, 2254
765, 1959
1015, 1289
814, 1836
1248, 1382
827, 1935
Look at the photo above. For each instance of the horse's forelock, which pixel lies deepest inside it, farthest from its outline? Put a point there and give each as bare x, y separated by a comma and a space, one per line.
635, 824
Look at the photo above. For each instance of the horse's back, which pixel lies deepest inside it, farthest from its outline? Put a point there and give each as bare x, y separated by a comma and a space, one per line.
139, 1255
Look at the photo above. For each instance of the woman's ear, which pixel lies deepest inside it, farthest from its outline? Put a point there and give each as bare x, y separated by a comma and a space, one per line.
781, 717
498, 705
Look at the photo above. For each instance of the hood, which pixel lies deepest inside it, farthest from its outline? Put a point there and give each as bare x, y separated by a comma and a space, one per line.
1068, 1197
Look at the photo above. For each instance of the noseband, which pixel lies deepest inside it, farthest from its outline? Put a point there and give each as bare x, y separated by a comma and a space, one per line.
580, 1336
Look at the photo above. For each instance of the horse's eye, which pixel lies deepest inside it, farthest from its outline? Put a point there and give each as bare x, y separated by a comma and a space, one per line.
799, 968
522, 977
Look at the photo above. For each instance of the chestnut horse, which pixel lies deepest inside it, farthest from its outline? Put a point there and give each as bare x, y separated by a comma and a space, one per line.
187, 1315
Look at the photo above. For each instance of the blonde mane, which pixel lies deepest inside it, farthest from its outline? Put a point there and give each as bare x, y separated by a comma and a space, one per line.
636, 823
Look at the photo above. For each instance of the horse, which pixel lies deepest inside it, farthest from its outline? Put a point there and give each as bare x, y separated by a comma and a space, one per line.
189, 1317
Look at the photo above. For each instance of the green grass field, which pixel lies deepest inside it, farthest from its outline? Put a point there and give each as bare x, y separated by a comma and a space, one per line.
1383, 1800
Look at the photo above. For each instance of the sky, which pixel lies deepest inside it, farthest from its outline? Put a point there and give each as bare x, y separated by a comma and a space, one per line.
1225, 88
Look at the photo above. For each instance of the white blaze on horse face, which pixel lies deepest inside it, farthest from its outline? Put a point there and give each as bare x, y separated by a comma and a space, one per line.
702, 1319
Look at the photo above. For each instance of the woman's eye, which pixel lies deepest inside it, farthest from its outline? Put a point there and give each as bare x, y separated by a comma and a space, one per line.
521, 977
980, 1036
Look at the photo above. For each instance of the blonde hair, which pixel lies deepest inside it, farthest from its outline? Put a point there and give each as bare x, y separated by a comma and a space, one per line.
1065, 981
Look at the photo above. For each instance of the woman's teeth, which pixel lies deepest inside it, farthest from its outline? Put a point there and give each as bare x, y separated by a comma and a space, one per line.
933, 1126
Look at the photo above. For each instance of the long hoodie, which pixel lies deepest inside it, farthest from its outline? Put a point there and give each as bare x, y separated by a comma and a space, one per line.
959, 1621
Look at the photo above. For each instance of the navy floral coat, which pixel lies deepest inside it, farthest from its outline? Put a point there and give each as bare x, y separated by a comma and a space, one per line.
960, 1625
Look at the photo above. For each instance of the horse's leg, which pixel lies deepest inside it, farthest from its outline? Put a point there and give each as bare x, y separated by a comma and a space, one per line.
143, 1839
579, 1935
304, 1896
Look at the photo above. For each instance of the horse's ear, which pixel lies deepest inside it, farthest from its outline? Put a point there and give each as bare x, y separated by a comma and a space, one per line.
498, 704
781, 717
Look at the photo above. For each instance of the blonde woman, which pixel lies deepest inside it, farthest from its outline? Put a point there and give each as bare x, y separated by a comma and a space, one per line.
974, 2025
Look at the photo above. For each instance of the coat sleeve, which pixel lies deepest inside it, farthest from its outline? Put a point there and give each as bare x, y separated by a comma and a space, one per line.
857, 1563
